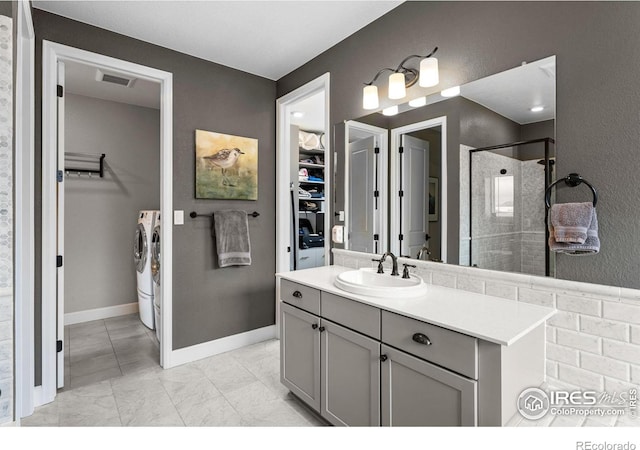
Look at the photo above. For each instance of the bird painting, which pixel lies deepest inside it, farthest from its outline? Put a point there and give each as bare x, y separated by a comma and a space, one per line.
226, 166
224, 159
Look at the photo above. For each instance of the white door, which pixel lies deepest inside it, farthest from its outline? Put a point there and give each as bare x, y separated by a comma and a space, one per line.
60, 237
415, 199
360, 221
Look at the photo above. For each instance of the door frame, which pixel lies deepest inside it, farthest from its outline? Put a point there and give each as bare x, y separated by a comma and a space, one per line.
396, 133
284, 107
382, 136
52, 53
24, 256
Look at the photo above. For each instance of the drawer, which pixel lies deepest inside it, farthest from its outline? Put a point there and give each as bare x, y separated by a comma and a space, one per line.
301, 296
446, 348
359, 317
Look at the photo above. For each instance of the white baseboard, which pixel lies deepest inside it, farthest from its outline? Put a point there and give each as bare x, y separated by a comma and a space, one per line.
225, 344
100, 313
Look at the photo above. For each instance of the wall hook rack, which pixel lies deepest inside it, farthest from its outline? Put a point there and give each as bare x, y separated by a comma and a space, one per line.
571, 180
84, 163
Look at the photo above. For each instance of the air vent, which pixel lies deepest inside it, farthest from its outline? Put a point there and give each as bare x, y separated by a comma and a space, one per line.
119, 79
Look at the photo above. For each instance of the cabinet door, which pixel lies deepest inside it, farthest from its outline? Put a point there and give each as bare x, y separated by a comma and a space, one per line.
350, 377
417, 393
300, 354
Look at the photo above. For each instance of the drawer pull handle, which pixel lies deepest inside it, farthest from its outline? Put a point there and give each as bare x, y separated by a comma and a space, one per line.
421, 339
297, 294
314, 326
383, 358
321, 329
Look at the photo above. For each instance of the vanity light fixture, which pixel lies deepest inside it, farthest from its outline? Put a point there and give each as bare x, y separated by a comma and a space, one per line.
402, 78
537, 108
390, 111
418, 102
451, 92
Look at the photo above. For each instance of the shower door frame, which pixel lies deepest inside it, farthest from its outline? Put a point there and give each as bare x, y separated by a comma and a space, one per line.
547, 181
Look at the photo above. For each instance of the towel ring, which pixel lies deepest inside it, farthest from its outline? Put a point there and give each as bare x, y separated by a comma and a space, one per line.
573, 180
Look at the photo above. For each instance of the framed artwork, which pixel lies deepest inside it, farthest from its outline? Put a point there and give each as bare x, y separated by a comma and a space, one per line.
434, 201
226, 166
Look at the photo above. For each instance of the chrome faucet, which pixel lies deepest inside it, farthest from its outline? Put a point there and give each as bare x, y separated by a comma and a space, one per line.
394, 270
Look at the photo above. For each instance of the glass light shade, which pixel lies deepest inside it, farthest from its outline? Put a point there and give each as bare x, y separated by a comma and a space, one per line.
429, 75
390, 111
370, 97
418, 102
451, 92
397, 88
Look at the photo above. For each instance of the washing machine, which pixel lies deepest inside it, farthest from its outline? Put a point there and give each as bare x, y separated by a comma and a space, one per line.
142, 260
156, 274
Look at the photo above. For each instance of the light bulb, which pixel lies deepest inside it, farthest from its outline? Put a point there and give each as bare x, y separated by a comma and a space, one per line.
537, 108
370, 97
390, 111
397, 89
418, 102
429, 75
451, 92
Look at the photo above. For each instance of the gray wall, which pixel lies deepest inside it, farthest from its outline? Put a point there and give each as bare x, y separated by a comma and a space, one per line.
100, 213
597, 98
208, 303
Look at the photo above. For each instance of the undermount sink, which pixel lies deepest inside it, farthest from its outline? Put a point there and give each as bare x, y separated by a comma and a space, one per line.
369, 282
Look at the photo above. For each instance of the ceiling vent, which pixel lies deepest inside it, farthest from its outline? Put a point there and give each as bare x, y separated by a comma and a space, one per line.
113, 78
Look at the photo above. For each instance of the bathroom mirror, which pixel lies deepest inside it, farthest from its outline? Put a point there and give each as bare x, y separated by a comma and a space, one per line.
467, 170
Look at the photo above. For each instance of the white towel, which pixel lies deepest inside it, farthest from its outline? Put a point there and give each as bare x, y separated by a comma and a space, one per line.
232, 238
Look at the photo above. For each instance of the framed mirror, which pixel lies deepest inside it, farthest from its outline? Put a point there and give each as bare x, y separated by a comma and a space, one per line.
467, 169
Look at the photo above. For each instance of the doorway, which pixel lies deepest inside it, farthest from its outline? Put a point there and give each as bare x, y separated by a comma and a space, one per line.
419, 190
303, 178
86, 170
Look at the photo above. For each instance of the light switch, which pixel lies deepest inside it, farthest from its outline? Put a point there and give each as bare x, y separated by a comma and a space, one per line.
341, 216
178, 217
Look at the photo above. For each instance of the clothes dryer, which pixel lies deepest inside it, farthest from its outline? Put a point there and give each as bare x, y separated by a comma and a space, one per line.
156, 274
142, 261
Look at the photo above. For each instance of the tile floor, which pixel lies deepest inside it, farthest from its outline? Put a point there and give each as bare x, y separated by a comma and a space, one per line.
114, 379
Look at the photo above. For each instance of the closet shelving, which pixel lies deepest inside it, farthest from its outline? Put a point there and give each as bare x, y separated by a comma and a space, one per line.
309, 214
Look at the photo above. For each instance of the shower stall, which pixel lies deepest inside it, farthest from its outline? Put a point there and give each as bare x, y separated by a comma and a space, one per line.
505, 210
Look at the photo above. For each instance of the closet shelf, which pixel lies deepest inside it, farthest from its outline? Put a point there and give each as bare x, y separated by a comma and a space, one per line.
312, 166
311, 182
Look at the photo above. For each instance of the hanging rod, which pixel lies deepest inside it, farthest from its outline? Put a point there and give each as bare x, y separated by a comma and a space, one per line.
572, 180
194, 214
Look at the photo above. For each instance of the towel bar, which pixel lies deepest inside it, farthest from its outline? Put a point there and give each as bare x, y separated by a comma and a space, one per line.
572, 180
194, 214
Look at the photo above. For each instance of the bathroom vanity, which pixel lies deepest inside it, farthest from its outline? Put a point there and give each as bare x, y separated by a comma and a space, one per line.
443, 358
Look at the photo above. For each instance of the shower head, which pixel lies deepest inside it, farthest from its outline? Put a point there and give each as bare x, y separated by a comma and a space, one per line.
551, 162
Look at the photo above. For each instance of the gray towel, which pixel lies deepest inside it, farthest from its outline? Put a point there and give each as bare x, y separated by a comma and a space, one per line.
571, 221
232, 238
590, 246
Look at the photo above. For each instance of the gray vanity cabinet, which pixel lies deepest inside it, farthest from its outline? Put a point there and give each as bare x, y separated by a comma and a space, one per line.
417, 393
300, 354
350, 377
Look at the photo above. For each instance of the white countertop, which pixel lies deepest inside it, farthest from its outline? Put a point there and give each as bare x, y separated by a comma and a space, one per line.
489, 318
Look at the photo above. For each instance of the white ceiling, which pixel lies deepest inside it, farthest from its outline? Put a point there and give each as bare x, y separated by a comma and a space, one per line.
266, 38
81, 79
312, 109
514, 92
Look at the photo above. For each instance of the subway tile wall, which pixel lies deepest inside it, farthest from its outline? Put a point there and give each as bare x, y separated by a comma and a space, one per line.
6, 221
593, 341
